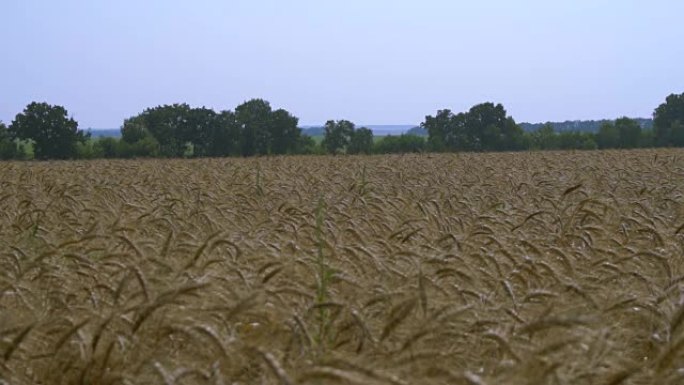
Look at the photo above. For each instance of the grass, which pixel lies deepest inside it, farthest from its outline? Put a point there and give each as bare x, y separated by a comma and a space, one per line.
525, 268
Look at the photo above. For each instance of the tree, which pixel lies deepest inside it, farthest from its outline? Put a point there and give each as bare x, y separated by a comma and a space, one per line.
337, 135
576, 140
668, 121
306, 145
148, 147
134, 130
446, 131
4, 133
8, 148
402, 144
53, 132
284, 132
544, 138
254, 118
225, 135
180, 130
488, 128
168, 125
484, 127
200, 130
647, 139
107, 147
629, 132
361, 141
513, 136
608, 136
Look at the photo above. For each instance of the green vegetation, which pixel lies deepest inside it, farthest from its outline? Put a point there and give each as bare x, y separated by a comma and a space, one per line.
624, 133
401, 144
591, 126
43, 131
337, 135
361, 141
669, 122
485, 127
54, 134
9, 149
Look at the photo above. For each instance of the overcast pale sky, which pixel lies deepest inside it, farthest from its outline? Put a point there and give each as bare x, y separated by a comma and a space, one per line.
370, 61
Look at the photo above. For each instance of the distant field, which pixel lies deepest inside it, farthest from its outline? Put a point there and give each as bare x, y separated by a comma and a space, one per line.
319, 138
103, 133
526, 268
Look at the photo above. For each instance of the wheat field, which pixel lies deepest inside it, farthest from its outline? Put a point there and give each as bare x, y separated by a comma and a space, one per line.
527, 268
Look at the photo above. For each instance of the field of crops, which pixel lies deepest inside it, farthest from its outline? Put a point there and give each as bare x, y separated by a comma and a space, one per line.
530, 268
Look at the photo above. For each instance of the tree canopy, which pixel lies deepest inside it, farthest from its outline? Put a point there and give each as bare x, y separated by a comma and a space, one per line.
402, 144
668, 121
253, 118
608, 136
8, 147
361, 141
337, 135
54, 134
629, 132
485, 127
180, 130
255, 128
342, 136
284, 132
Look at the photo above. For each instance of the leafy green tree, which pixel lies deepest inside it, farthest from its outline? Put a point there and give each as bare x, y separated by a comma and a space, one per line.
134, 130
544, 138
4, 132
53, 132
629, 132
576, 140
254, 129
402, 144
446, 131
361, 141
484, 127
284, 132
624, 133
337, 135
8, 147
107, 147
647, 139
168, 125
677, 133
178, 128
138, 141
224, 135
88, 150
306, 145
668, 122
512, 136
608, 136
147, 147
488, 128
200, 130
254, 119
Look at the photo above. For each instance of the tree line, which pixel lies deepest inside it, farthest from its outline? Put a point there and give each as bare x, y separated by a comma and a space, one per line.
583, 125
44, 131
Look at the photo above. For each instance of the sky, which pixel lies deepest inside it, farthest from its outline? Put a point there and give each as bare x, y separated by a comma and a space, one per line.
368, 61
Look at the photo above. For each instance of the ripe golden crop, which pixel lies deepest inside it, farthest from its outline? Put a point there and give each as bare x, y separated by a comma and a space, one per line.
527, 268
